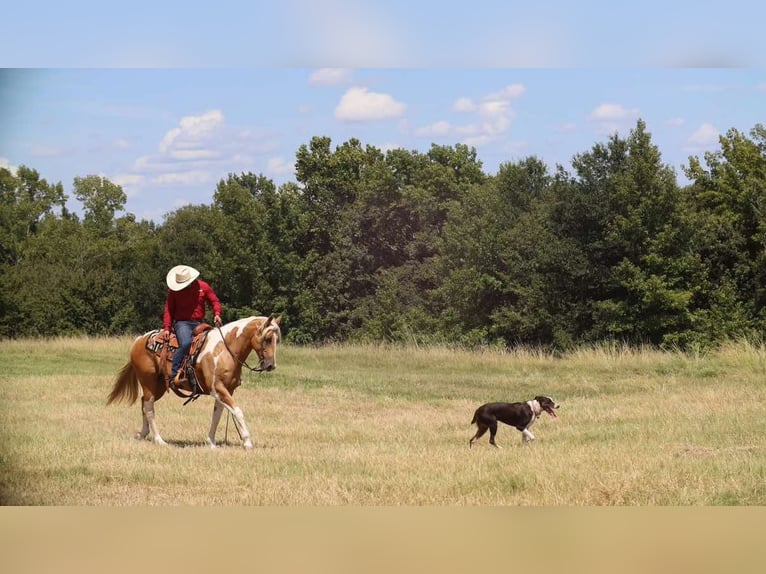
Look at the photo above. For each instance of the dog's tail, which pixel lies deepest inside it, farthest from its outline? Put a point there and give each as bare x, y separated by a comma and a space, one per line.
473, 420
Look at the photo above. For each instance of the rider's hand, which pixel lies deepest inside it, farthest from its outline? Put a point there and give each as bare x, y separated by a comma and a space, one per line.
164, 334
217, 320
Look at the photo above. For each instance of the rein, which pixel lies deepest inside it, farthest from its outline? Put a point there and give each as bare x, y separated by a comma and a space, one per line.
242, 363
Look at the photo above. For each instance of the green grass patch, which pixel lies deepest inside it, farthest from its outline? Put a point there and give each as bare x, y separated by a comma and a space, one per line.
389, 425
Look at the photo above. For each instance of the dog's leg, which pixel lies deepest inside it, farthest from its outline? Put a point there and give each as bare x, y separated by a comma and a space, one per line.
492, 433
527, 436
477, 436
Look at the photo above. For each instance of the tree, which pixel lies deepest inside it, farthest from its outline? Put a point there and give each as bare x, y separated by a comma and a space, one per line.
726, 200
503, 264
260, 227
101, 199
25, 200
624, 212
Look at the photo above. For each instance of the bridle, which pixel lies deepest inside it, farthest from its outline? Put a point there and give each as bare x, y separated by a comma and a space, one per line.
242, 363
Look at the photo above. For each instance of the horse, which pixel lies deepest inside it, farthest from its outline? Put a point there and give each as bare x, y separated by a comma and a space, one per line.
218, 370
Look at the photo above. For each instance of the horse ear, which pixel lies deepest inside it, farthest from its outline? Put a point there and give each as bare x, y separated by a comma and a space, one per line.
272, 318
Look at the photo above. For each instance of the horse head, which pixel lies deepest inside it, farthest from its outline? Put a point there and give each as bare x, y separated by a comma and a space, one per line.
264, 342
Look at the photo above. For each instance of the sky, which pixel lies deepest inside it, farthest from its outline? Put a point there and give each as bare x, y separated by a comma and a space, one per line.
168, 98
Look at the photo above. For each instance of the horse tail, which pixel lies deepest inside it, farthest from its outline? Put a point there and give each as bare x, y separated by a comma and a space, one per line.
125, 386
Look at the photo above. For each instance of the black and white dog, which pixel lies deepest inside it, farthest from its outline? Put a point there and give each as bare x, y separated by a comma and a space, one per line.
518, 415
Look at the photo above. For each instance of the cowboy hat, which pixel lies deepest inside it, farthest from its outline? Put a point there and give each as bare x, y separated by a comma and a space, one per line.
181, 276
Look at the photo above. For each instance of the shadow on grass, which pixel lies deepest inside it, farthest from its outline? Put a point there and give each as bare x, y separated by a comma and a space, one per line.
226, 444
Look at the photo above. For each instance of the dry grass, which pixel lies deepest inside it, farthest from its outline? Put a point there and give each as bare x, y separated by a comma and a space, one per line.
383, 425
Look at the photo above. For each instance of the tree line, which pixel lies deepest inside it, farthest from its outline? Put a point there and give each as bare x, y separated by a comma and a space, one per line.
415, 247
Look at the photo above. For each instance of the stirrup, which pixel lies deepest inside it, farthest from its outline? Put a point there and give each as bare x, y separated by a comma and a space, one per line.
175, 382
192, 395
188, 376
191, 377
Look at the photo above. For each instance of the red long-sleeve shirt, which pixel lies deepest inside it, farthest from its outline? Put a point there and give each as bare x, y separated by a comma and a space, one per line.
188, 304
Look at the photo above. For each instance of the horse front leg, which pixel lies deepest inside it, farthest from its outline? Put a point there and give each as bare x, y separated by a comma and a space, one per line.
224, 396
239, 420
217, 411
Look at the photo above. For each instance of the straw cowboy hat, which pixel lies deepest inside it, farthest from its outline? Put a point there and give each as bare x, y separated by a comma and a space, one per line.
180, 276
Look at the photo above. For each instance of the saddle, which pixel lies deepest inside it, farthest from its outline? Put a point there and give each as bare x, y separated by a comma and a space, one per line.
165, 348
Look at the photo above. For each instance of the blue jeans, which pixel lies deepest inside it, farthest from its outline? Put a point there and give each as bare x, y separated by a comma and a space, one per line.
184, 333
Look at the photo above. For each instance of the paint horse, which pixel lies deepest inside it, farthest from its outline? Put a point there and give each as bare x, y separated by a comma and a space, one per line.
218, 370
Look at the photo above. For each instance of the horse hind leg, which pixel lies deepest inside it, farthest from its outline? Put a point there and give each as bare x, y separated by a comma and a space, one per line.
144, 432
147, 406
217, 411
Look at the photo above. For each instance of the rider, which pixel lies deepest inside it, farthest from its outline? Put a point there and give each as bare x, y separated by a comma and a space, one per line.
185, 309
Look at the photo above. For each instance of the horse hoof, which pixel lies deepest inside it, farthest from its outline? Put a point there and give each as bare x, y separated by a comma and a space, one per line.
158, 440
248, 444
211, 444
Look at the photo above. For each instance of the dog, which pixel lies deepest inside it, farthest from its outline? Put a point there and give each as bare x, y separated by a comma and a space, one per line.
518, 415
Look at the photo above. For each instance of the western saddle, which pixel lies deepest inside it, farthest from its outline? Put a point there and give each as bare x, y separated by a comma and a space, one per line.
165, 347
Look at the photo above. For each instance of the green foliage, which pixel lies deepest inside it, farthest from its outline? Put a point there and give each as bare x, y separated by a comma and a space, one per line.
729, 202
100, 198
416, 247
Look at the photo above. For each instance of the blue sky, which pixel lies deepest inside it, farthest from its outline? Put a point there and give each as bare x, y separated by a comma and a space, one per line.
167, 136
398, 33
167, 98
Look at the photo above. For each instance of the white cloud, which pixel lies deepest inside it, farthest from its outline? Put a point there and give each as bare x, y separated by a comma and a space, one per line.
704, 137
494, 108
464, 105
612, 112
121, 144
359, 104
194, 154
509, 92
762, 87
494, 115
192, 177
130, 183
199, 150
330, 76
610, 118
4, 162
568, 127
677, 122
436, 129
279, 166
477, 140
192, 132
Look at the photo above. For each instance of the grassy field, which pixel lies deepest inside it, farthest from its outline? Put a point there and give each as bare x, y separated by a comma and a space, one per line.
368, 425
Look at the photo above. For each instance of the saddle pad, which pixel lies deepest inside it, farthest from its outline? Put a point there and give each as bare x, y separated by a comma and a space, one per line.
156, 345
